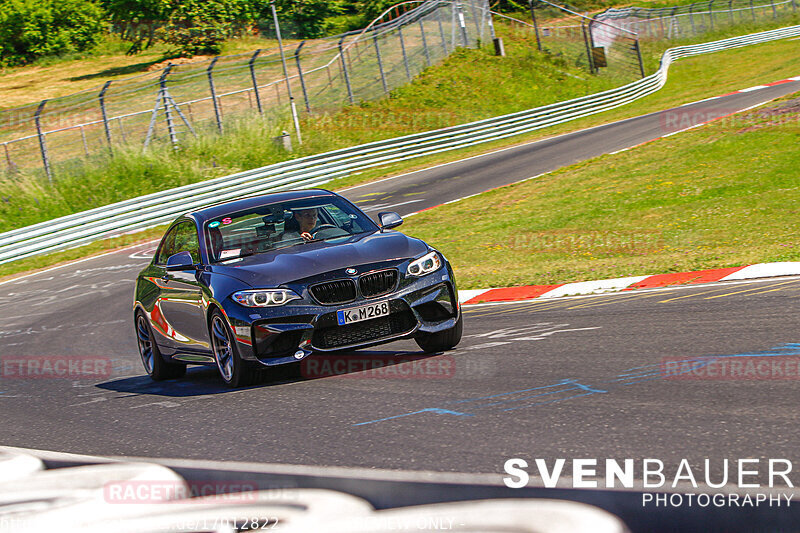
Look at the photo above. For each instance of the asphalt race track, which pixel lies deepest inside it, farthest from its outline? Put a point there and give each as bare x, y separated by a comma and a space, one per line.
427, 188
573, 377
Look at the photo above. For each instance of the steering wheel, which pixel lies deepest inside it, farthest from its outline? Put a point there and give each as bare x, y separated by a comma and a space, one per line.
324, 226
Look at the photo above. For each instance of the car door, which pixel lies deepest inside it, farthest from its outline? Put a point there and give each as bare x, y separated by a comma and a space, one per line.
181, 297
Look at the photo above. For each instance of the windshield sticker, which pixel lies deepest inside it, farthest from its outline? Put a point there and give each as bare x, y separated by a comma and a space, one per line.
225, 254
214, 224
231, 261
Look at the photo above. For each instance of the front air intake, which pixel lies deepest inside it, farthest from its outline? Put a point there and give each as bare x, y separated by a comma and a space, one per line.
339, 291
378, 283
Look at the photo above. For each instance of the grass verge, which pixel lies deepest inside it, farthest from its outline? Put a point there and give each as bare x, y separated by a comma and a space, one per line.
470, 85
423, 105
726, 194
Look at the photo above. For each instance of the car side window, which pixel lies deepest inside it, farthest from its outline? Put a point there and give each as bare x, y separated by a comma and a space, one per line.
166, 247
186, 240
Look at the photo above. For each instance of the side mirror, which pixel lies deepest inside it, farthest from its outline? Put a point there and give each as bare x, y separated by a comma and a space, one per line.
180, 261
389, 220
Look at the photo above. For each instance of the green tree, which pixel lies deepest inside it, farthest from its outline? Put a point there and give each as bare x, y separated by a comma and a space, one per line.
34, 28
307, 17
201, 26
136, 20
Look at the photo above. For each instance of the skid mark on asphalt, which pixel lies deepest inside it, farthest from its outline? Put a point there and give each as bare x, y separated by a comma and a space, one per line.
571, 389
609, 301
751, 290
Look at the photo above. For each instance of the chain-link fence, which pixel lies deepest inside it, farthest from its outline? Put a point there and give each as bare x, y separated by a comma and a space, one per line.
609, 42
693, 19
196, 98
562, 32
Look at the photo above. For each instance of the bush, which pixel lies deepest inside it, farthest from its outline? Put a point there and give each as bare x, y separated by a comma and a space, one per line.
201, 26
34, 28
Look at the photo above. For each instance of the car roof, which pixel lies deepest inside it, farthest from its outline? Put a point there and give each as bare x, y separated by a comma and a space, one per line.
214, 211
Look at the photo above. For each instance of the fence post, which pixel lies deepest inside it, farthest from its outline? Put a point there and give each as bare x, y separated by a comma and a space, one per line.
588, 48
42, 144
424, 43
213, 97
344, 72
711, 13
794, 6
493, 34
691, 18
173, 136
83, 138
535, 25
403, 49
300, 75
639, 55
774, 11
462, 24
441, 29
252, 65
672, 20
730, 11
752, 11
476, 19
106, 127
8, 158
380, 61
121, 129
292, 106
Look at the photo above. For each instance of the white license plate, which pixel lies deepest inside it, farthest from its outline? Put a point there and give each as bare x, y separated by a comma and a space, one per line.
357, 314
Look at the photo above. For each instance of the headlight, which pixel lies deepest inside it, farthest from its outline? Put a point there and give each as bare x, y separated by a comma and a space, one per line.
426, 264
264, 297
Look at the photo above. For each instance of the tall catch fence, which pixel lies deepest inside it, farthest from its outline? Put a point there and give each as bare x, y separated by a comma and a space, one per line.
565, 33
188, 99
688, 20
609, 43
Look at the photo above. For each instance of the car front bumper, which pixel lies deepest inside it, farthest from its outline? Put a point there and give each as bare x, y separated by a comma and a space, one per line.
286, 334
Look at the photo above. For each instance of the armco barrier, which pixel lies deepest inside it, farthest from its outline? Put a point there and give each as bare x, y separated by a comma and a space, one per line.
154, 209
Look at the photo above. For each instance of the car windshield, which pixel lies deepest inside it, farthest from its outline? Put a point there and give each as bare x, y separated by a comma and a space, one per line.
280, 225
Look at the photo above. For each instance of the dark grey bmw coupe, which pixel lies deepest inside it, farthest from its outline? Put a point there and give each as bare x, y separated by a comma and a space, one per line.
271, 279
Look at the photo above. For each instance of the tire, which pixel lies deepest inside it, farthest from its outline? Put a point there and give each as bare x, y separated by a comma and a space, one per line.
443, 340
233, 370
154, 364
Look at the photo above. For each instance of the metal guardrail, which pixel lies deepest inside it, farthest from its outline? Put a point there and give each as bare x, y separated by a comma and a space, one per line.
158, 208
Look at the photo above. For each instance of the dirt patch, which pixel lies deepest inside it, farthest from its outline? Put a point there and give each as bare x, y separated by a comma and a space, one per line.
784, 108
781, 113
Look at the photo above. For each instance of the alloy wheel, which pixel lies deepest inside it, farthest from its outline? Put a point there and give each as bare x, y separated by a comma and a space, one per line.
223, 348
145, 343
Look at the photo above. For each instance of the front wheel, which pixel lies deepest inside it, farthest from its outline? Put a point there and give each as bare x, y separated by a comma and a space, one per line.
443, 340
153, 362
235, 372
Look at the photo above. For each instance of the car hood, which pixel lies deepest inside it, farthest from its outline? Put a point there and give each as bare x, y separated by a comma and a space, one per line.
294, 263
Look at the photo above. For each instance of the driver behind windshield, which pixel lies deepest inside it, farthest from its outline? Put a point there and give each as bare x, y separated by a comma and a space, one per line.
302, 224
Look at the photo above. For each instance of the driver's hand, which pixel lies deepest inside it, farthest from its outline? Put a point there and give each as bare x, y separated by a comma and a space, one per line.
307, 236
